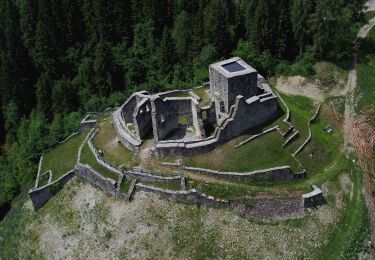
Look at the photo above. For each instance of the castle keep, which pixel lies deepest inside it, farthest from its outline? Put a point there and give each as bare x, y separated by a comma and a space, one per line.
239, 100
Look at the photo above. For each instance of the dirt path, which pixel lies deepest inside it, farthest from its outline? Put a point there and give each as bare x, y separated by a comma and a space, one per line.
349, 118
350, 88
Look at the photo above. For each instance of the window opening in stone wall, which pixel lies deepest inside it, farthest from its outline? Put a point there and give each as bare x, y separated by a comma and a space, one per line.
222, 107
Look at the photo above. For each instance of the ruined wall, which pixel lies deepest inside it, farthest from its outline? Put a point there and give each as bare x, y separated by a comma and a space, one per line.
142, 118
244, 85
40, 196
167, 112
126, 138
239, 120
261, 111
95, 179
128, 108
219, 91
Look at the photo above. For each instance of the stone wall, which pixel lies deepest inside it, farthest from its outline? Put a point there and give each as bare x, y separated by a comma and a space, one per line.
238, 121
167, 112
314, 198
190, 197
126, 138
95, 179
257, 136
282, 173
142, 118
87, 124
40, 196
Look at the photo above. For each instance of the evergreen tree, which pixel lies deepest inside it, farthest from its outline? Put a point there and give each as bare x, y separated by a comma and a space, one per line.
217, 26
44, 95
181, 34
301, 11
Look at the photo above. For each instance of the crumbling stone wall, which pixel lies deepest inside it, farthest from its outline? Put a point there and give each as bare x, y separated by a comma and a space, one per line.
238, 121
40, 196
142, 118
167, 113
95, 179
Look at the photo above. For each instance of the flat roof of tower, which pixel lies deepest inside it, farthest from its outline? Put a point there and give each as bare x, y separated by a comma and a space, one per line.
233, 66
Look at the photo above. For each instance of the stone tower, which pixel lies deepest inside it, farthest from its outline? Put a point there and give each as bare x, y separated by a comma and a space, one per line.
229, 79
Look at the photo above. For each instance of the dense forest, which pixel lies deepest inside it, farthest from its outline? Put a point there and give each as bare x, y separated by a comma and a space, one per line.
60, 59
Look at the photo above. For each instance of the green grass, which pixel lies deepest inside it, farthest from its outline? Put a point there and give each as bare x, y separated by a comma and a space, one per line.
125, 185
63, 158
205, 97
301, 109
366, 78
43, 180
114, 152
350, 234
88, 158
162, 185
260, 153
181, 94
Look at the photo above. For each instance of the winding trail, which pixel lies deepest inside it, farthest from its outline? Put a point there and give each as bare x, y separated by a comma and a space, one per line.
350, 88
349, 119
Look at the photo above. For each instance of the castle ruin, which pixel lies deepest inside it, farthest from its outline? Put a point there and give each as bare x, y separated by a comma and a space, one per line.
239, 100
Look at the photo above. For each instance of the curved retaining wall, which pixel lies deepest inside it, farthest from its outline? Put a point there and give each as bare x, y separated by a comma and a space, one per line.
40, 196
272, 174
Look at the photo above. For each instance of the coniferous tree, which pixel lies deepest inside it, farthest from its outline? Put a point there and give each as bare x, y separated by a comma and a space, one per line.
181, 34
44, 95
301, 11
217, 26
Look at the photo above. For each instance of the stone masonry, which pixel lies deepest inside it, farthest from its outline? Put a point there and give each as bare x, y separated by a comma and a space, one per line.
240, 100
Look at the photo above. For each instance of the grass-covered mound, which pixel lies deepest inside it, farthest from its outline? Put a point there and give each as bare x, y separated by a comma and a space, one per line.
63, 157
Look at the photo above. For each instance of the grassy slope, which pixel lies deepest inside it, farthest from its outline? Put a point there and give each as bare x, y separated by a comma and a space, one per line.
62, 158
88, 158
350, 235
366, 77
106, 141
261, 153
